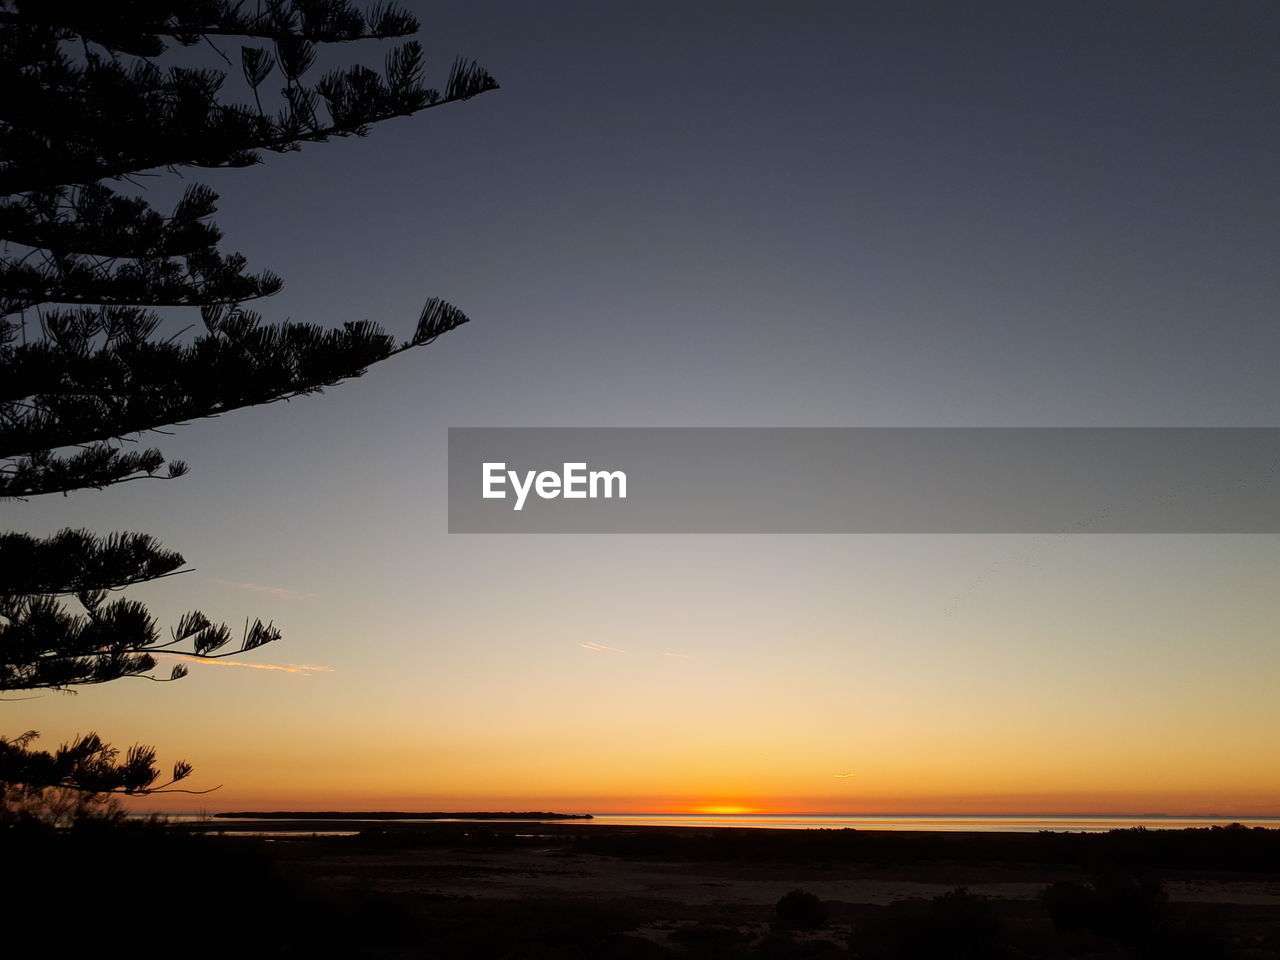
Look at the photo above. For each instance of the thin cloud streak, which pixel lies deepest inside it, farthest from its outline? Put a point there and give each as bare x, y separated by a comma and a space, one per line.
305, 669
284, 593
597, 647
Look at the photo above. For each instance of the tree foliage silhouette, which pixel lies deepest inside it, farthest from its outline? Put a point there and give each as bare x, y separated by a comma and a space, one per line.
88, 266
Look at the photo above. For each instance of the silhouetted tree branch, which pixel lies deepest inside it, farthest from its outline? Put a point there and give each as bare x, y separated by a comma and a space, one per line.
84, 271
88, 765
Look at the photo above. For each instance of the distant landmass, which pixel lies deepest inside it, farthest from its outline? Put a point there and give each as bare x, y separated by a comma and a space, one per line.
395, 815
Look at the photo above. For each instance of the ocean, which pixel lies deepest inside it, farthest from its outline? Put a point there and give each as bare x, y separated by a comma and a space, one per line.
979, 824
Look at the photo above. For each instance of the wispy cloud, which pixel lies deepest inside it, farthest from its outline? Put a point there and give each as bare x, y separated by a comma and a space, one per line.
284, 593
678, 656
306, 669
599, 647
842, 776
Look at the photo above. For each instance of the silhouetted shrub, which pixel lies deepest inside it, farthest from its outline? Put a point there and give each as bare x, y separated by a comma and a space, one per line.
1071, 905
530, 928
1129, 905
799, 910
957, 925
98, 867
710, 937
1129, 908
965, 924
782, 946
56, 807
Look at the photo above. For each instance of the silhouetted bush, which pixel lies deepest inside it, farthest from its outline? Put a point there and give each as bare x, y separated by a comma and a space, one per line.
782, 946
1129, 909
965, 924
800, 910
708, 937
116, 882
529, 928
957, 925
1071, 905
55, 807
1129, 905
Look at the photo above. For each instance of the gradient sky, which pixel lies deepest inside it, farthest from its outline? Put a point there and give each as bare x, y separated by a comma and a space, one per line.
742, 214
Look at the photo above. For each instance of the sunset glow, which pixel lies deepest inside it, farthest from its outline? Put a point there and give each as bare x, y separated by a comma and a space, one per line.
664, 481
843, 220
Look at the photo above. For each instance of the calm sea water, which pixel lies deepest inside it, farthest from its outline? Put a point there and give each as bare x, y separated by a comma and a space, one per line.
1001, 824
1005, 824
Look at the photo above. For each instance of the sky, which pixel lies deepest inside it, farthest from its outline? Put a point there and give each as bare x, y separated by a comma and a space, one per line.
740, 214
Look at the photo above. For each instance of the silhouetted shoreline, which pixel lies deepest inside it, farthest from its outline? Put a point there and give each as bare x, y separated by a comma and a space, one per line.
396, 815
1234, 847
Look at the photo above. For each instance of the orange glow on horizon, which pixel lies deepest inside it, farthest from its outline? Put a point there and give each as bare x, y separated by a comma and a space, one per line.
726, 809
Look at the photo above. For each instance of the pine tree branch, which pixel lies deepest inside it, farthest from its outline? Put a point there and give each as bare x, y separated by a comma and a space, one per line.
78, 562
186, 23
88, 375
176, 31
21, 493
86, 764
44, 647
178, 153
95, 221
242, 365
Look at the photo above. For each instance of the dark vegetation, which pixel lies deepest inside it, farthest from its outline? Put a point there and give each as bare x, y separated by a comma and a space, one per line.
800, 910
1234, 847
85, 884
419, 891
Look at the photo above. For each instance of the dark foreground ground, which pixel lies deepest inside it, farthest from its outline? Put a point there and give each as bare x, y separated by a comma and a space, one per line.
493, 891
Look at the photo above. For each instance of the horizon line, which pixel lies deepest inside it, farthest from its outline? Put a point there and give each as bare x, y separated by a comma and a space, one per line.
912, 815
